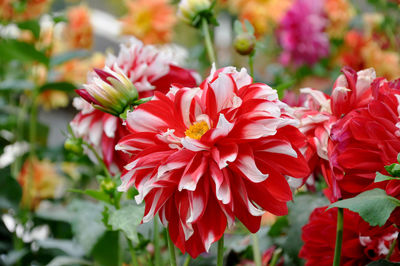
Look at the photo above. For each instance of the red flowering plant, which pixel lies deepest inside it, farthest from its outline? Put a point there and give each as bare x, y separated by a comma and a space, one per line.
201, 157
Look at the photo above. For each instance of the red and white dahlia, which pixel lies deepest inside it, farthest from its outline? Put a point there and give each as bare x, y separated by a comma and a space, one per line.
320, 112
202, 156
361, 243
148, 69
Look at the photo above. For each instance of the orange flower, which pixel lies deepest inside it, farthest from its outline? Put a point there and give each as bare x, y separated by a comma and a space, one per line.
39, 180
149, 20
79, 30
32, 10
53, 99
262, 14
340, 13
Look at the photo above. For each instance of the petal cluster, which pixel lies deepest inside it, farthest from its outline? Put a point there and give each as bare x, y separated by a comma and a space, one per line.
366, 139
203, 156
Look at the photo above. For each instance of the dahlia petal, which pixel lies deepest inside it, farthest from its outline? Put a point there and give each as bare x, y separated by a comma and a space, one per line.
246, 165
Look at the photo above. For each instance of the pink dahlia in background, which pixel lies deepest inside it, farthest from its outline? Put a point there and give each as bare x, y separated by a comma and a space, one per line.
202, 156
302, 34
361, 243
366, 139
136, 72
319, 112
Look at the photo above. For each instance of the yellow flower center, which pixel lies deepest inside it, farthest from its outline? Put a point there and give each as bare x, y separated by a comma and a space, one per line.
197, 130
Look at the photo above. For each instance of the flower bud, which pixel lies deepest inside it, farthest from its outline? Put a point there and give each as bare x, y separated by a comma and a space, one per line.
73, 145
189, 10
109, 91
244, 43
108, 185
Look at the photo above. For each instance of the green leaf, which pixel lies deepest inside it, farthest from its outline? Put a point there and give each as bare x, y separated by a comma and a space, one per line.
69, 247
299, 212
249, 27
67, 56
237, 26
16, 85
67, 261
393, 169
127, 219
380, 177
107, 250
96, 194
31, 25
86, 223
382, 262
277, 228
10, 192
374, 206
25, 52
59, 86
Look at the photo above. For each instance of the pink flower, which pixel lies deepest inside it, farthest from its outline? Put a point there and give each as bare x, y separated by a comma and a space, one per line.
203, 156
301, 33
144, 67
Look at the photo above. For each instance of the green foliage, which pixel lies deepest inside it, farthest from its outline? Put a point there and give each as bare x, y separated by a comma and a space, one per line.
10, 191
67, 56
12, 85
380, 177
31, 25
87, 225
382, 263
299, 212
374, 206
127, 219
24, 52
59, 86
107, 249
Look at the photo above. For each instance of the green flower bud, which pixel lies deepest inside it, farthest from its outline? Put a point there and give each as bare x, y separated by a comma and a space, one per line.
244, 43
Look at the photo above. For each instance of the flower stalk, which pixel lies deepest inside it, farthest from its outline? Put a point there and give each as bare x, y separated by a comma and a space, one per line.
171, 250
339, 238
157, 253
220, 256
256, 250
208, 43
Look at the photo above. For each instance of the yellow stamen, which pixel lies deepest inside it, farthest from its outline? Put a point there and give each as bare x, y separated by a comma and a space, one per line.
197, 130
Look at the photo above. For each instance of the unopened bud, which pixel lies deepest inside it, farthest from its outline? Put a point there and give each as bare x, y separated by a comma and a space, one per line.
110, 91
244, 43
108, 186
190, 10
73, 145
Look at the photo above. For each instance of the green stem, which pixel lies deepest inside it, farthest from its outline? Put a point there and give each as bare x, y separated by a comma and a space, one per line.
391, 249
133, 253
251, 64
187, 260
209, 46
99, 159
220, 258
171, 249
275, 257
256, 250
339, 238
157, 253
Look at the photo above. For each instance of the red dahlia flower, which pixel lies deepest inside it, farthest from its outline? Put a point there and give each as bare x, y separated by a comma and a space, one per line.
361, 243
203, 156
149, 70
319, 112
366, 139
